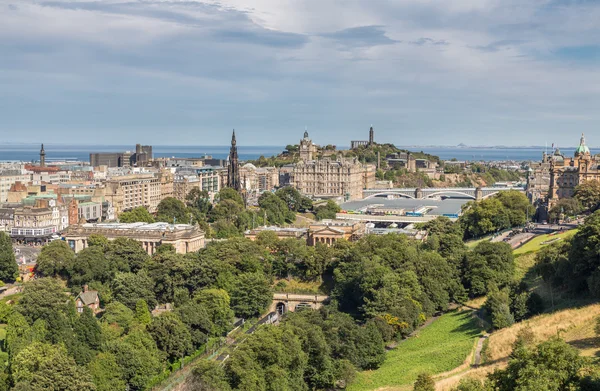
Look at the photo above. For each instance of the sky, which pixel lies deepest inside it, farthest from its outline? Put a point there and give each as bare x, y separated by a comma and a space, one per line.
422, 72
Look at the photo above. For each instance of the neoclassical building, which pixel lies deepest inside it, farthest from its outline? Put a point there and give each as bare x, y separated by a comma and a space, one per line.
566, 173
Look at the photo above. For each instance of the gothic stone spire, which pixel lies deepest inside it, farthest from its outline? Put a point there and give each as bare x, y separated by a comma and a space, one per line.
233, 170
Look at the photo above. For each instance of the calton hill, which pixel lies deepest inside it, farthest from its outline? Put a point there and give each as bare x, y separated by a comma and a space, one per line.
450, 175
447, 313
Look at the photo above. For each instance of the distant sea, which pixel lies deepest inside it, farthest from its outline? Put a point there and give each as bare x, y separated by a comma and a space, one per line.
519, 154
61, 152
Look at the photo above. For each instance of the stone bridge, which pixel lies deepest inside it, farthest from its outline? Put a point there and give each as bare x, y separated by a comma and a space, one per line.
476, 193
290, 302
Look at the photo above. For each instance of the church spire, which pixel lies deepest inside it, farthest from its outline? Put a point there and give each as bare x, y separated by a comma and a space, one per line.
233, 170
42, 157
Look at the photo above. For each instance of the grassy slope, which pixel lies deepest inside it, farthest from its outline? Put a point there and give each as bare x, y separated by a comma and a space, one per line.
439, 347
535, 244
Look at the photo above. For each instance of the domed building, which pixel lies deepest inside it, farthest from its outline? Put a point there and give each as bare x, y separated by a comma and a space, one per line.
567, 173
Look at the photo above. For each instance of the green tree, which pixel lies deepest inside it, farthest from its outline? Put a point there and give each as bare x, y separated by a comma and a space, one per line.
565, 207
129, 251
498, 306
424, 383
216, 302
91, 265
142, 314
106, 373
488, 263
251, 295
138, 357
171, 335
172, 210
128, 288
276, 209
588, 194
207, 376
42, 298
199, 199
55, 259
327, 211
97, 240
88, 330
9, 270
119, 314
139, 214
196, 318
48, 367
552, 365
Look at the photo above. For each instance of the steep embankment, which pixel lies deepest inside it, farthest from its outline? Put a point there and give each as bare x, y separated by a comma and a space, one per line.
443, 345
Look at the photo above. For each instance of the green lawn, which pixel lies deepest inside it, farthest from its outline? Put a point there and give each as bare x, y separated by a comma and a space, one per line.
439, 347
535, 244
473, 243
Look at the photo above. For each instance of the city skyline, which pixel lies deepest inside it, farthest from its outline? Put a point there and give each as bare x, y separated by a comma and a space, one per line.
423, 73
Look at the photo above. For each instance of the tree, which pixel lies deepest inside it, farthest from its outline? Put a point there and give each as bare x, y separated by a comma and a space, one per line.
139, 214
128, 251
552, 365
488, 263
9, 270
216, 303
172, 210
171, 335
276, 209
207, 376
42, 366
106, 373
119, 314
42, 299
327, 211
230, 194
97, 240
137, 356
424, 383
88, 330
196, 318
142, 314
200, 200
291, 197
91, 265
565, 207
128, 288
497, 305
55, 259
588, 194
251, 295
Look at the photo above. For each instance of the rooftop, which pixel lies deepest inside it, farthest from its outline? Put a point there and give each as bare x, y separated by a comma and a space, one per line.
140, 226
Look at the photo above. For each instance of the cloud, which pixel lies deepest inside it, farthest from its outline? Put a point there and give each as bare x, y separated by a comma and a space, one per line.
92, 70
500, 45
429, 41
363, 36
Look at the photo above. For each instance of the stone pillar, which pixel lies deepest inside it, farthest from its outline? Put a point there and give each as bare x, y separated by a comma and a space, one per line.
418, 193
478, 193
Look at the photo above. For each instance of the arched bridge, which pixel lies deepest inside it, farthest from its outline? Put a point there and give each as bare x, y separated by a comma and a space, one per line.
476, 193
290, 302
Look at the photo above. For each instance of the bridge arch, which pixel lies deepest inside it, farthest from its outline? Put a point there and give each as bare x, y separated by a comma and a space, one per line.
450, 192
281, 308
489, 195
389, 193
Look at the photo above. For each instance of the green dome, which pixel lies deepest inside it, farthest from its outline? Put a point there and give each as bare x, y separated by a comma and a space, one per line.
582, 148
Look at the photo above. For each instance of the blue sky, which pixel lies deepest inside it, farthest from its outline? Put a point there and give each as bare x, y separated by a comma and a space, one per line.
510, 72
